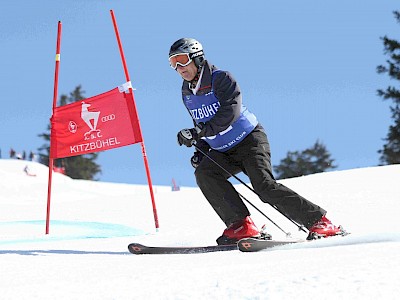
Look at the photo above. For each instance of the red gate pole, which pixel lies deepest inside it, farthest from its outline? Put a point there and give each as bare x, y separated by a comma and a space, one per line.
55, 95
146, 164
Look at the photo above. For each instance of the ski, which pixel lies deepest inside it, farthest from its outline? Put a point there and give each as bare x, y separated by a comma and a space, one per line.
136, 248
258, 244
244, 245
255, 244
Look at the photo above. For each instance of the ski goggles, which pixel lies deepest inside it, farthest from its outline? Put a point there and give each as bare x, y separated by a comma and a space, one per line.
182, 59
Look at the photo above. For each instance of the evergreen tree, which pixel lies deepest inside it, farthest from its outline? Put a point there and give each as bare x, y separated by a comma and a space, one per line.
316, 159
77, 167
390, 154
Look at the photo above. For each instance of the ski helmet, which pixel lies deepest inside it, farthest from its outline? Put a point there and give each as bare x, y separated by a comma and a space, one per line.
190, 46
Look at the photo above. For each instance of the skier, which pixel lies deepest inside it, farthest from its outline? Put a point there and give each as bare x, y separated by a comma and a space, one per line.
231, 135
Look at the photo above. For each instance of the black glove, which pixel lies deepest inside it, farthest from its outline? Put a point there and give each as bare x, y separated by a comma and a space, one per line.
188, 137
196, 159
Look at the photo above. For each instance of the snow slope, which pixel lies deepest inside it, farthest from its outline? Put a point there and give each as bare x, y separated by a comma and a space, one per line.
85, 254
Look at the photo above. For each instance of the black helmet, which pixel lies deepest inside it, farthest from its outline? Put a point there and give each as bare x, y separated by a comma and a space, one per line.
191, 46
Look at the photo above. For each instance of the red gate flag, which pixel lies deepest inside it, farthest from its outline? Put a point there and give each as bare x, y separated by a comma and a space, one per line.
99, 123
103, 122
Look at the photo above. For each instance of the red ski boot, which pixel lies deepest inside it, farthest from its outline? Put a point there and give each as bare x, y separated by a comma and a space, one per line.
240, 229
324, 228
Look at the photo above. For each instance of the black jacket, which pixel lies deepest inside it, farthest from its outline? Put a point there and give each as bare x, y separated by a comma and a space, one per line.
228, 94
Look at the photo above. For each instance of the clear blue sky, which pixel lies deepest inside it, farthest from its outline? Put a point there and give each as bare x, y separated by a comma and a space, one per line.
307, 69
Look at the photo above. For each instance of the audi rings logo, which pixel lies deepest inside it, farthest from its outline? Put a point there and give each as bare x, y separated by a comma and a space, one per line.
108, 118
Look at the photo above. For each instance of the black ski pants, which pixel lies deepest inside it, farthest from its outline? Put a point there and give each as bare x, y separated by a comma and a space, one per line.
251, 156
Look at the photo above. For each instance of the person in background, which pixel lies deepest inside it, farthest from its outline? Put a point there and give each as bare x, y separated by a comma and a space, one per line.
12, 153
226, 131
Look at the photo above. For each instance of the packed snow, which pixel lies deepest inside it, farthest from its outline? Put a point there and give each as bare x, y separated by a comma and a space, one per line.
85, 255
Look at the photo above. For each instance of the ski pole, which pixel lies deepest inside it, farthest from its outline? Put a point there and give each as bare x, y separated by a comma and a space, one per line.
268, 218
250, 188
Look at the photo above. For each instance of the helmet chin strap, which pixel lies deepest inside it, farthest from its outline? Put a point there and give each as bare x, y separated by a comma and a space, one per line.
193, 82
